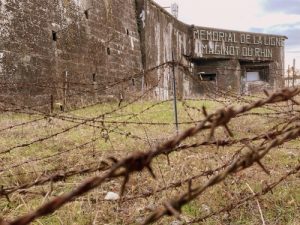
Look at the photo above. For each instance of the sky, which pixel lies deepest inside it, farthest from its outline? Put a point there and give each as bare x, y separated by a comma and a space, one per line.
280, 17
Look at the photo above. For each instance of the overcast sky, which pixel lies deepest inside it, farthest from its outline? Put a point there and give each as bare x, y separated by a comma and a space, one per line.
265, 16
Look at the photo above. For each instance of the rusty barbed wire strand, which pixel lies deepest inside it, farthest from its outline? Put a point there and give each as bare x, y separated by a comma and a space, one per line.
86, 143
8, 150
180, 183
111, 84
91, 105
21, 124
62, 117
76, 119
265, 114
268, 135
72, 149
10, 127
147, 123
217, 143
188, 113
103, 166
129, 75
49, 156
218, 92
34, 160
173, 208
22, 108
107, 87
234, 205
139, 161
55, 170
182, 147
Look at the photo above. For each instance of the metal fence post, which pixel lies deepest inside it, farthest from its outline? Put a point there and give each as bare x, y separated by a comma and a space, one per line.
175, 94
294, 64
51, 104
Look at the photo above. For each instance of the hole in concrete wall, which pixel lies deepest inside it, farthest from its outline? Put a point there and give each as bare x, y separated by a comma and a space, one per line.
86, 13
133, 81
94, 77
127, 32
61, 106
108, 51
207, 76
54, 35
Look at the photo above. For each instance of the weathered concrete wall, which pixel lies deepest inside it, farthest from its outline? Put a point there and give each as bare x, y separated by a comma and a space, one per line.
74, 49
162, 35
227, 76
228, 54
97, 44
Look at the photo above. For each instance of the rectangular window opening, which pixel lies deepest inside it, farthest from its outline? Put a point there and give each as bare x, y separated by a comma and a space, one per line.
257, 74
94, 77
207, 76
252, 76
54, 35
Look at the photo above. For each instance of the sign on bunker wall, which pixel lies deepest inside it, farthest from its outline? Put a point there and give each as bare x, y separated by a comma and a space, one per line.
235, 44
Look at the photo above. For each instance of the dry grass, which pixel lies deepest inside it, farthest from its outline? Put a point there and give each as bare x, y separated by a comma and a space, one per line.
282, 206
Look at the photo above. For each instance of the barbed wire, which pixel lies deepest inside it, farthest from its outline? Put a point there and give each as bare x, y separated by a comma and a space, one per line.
218, 143
269, 188
8, 150
103, 87
173, 208
139, 161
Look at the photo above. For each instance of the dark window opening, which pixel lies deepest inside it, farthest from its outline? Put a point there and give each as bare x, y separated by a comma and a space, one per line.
133, 81
108, 51
86, 13
94, 77
127, 31
54, 35
264, 76
207, 76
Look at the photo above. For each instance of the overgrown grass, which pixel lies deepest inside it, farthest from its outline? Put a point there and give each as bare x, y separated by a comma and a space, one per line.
118, 140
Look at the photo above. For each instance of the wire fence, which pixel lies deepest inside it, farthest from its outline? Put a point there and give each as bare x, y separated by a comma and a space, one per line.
60, 163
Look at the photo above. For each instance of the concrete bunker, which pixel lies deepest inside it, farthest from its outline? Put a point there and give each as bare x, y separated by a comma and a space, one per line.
83, 38
214, 59
242, 62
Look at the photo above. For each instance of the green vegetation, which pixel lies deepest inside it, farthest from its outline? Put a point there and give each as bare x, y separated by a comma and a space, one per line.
138, 127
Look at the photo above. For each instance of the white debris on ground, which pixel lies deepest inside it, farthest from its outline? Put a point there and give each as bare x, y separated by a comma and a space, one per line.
111, 196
